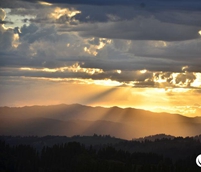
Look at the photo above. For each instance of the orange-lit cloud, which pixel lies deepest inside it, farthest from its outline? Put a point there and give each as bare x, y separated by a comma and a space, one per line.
54, 53
140, 78
74, 68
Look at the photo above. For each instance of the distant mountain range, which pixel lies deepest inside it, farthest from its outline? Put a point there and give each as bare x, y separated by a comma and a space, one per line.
69, 120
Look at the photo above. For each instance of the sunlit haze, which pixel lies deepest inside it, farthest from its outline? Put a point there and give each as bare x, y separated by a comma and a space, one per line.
101, 53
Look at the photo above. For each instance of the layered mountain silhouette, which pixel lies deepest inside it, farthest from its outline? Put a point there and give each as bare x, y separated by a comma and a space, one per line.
77, 119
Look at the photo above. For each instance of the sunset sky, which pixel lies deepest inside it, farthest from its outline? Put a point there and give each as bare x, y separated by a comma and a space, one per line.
143, 54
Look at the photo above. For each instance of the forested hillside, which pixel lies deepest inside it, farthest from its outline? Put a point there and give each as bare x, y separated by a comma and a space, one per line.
160, 155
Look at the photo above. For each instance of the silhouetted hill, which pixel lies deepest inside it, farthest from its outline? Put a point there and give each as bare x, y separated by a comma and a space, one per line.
40, 142
155, 137
77, 119
173, 155
168, 146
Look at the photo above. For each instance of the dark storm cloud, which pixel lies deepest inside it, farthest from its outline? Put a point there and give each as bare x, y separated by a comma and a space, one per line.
18, 60
51, 52
127, 22
183, 51
134, 24
6, 38
140, 29
33, 33
114, 13
107, 10
13, 4
182, 4
158, 20
41, 45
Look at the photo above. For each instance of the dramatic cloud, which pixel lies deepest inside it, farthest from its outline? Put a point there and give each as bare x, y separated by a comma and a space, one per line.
148, 44
185, 4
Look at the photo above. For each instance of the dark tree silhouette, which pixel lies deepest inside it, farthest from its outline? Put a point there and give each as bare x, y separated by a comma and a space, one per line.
75, 157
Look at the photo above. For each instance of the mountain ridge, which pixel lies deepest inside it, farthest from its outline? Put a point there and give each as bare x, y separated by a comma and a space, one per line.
81, 105
77, 119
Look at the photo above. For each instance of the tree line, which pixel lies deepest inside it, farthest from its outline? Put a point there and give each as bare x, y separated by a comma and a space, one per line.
76, 157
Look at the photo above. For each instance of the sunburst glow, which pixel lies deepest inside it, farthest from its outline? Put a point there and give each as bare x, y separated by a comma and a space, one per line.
92, 53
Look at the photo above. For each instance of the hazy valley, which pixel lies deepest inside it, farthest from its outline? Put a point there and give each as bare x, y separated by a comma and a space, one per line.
69, 120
